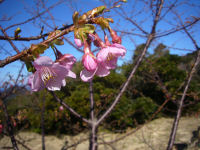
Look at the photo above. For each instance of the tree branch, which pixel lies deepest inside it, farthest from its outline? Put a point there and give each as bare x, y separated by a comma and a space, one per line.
69, 108
148, 42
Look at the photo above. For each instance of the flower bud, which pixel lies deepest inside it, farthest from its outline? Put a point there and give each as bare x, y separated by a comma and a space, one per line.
115, 37
61, 108
78, 42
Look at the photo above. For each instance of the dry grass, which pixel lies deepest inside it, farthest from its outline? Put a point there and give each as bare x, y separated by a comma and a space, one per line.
153, 136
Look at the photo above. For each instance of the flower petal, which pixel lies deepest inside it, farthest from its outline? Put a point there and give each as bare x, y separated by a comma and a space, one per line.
67, 60
63, 83
71, 74
112, 64
42, 61
102, 71
37, 83
86, 76
89, 62
56, 82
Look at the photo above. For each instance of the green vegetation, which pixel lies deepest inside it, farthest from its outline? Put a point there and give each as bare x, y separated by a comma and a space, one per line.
159, 75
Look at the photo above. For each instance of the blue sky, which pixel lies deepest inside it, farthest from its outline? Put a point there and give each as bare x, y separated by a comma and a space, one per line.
20, 10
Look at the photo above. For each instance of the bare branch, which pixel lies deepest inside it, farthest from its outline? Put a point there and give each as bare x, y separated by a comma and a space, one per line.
69, 108
33, 18
148, 42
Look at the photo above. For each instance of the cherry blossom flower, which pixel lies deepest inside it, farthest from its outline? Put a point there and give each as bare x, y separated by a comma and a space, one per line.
108, 56
105, 60
89, 62
49, 74
67, 60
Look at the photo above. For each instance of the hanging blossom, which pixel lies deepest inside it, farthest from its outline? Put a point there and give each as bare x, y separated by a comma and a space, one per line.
49, 74
89, 62
106, 58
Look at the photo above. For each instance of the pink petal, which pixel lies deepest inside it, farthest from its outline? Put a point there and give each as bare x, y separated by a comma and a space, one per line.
102, 71
89, 62
42, 61
112, 64
30, 81
37, 83
117, 51
86, 76
118, 46
67, 60
102, 54
71, 74
59, 80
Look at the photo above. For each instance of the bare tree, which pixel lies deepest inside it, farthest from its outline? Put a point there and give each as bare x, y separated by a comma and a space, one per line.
145, 20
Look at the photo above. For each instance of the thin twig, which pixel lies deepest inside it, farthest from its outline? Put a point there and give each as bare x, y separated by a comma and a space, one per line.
9, 125
42, 121
93, 135
181, 103
148, 42
69, 108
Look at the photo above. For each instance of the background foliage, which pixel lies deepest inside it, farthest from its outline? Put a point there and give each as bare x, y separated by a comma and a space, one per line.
136, 106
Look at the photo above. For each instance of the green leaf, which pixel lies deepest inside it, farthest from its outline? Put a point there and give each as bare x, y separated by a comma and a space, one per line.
58, 42
96, 11
30, 67
103, 22
38, 49
83, 30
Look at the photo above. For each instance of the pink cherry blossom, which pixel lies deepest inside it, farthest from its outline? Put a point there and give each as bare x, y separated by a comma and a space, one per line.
61, 108
106, 60
67, 60
78, 42
108, 56
48, 74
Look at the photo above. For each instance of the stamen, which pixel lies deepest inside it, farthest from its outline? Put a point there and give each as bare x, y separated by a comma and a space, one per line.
110, 56
47, 74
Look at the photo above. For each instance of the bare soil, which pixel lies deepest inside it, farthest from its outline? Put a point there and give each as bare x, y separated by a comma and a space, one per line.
153, 136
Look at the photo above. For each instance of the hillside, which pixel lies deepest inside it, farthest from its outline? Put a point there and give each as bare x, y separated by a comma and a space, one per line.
153, 136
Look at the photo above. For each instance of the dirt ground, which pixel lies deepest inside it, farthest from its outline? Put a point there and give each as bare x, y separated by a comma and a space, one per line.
153, 136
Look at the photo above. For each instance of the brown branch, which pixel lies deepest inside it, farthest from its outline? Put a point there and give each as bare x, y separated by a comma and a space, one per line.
165, 33
9, 125
29, 51
21, 143
187, 83
69, 108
